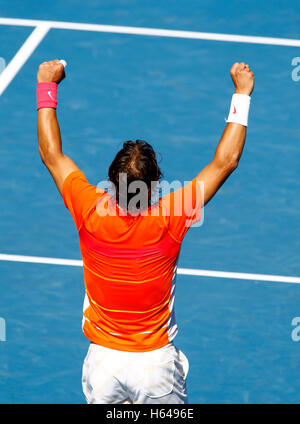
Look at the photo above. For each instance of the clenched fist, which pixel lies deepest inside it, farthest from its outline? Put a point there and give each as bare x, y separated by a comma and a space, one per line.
242, 78
52, 71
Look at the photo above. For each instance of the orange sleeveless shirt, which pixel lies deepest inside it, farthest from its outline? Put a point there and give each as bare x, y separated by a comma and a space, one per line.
129, 264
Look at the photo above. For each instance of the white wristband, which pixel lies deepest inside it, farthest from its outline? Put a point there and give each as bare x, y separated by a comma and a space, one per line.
239, 109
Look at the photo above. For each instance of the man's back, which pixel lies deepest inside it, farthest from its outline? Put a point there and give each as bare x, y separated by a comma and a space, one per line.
129, 265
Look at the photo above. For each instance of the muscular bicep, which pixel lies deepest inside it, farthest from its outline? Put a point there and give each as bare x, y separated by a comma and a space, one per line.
213, 177
60, 166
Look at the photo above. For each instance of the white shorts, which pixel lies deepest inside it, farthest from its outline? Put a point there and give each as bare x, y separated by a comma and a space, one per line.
112, 376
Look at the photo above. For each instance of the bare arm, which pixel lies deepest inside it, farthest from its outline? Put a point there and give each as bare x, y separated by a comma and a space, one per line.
230, 147
49, 139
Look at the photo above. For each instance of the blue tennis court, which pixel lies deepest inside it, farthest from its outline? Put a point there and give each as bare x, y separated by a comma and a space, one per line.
174, 91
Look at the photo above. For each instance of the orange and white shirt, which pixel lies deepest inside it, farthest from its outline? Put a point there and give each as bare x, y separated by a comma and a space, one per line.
129, 263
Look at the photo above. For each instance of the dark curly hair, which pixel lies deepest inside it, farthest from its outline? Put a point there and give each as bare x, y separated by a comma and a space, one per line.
137, 160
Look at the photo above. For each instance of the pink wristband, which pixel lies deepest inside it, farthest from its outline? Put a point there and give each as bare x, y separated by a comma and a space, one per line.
46, 94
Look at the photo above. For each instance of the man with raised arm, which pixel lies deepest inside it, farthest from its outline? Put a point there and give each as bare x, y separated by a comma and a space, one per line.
130, 254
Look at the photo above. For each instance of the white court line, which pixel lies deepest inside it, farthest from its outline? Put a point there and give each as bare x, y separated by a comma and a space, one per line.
42, 27
181, 271
22, 55
154, 32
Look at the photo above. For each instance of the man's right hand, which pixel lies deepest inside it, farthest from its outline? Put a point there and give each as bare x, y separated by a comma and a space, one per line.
242, 78
52, 71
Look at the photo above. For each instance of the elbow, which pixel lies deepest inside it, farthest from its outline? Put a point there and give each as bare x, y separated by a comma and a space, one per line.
233, 164
48, 158
45, 157
228, 164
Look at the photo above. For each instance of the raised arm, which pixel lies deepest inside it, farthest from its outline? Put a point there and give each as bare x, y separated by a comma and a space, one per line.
49, 139
230, 147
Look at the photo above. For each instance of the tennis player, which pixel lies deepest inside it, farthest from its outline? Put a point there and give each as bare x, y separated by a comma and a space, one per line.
130, 248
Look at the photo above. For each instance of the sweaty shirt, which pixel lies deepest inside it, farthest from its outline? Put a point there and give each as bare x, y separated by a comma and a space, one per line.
129, 263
